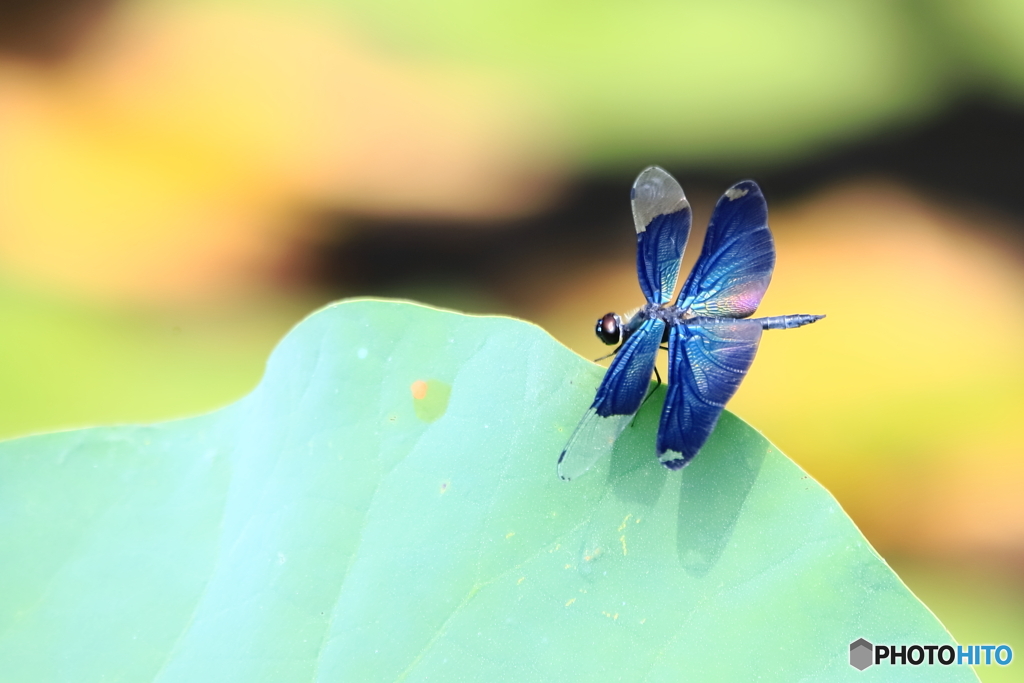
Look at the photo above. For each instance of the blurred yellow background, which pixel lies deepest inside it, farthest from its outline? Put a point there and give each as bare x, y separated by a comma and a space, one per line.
182, 182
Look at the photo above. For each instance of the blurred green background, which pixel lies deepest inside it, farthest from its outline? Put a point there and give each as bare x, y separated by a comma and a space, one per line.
182, 182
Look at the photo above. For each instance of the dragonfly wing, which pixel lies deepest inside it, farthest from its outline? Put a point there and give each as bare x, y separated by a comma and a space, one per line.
662, 217
629, 375
707, 362
737, 259
618, 398
594, 437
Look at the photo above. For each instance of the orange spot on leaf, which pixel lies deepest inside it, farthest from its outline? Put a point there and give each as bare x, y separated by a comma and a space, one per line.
419, 390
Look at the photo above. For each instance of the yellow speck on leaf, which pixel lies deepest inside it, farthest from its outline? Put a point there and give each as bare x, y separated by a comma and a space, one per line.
568, 566
643, 620
521, 579
571, 600
510, 534
622, 540
623, 525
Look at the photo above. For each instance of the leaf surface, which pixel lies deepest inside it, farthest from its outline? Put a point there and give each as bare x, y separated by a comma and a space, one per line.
384, 507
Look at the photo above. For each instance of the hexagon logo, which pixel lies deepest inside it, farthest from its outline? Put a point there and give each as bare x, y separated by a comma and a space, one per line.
861, 654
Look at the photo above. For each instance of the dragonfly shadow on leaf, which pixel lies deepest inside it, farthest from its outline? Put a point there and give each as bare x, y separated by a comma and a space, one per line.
713, 490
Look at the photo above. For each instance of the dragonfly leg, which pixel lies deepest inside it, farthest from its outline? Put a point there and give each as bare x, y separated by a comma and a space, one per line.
596, 360
657, 376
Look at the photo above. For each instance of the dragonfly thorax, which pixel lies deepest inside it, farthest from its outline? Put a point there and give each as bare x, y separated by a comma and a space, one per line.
611, 330
667, 313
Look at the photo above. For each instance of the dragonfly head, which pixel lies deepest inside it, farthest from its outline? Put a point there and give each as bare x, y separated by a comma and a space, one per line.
609, 329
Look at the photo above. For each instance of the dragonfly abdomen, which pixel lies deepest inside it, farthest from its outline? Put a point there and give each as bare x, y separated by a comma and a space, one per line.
787, 322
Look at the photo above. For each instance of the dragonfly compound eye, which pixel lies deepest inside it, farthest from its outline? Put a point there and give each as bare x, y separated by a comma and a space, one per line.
609, 329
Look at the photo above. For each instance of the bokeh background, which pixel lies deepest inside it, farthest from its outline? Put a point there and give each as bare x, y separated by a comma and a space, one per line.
180, 182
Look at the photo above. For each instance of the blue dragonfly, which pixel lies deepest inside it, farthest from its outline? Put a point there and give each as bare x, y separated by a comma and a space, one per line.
711, 338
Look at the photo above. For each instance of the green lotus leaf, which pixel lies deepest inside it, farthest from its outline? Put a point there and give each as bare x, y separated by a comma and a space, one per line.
384, 507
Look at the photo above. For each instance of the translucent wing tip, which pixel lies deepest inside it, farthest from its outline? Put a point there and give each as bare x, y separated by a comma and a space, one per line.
594, 437
567, 474
561, 457
655, 193
674, 461
741, 189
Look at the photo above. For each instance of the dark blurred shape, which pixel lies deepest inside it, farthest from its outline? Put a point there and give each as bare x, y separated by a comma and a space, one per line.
48, 30
973, 151
396, 257
970, 153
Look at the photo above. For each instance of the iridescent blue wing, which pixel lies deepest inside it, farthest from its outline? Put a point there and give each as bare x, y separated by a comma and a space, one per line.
629, 375
736, 263
618, 398
662, 217
707, 362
